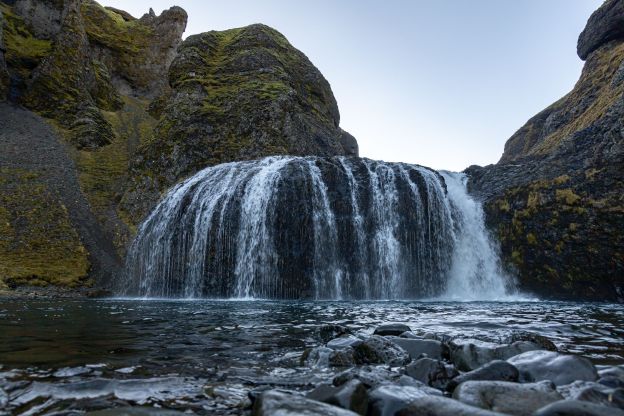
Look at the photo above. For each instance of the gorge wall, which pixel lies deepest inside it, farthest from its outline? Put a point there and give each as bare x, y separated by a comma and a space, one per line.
556, 197
105, 111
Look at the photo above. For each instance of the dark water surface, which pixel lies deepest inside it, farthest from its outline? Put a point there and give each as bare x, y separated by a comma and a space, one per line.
68, 356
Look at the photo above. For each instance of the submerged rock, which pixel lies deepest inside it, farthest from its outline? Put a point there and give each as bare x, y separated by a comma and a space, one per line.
417, 347
505, 397
343, 342
275, 402
577, 408
379, 350
391, 329
432, 372
496, 370
559, 368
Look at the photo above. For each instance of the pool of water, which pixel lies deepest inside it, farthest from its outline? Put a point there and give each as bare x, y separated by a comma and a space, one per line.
68, 356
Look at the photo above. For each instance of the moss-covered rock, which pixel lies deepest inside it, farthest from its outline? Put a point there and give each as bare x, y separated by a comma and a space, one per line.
556, 198
236, 94
4, 73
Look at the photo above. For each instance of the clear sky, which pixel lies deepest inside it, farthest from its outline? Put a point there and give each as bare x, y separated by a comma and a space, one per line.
442, 83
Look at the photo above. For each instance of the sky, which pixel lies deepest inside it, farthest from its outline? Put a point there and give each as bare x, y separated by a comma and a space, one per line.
441, 83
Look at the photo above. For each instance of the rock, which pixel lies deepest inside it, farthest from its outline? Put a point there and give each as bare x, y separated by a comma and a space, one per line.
471, 354
275, 402
329, 332
379, 350
432, 372
442, 406
610, 381
352, 395
343, 342
539, 340
322, 357
387, 400
506, 397
590, 391
559, 368
604, 25
416, 347
496, 370
577, 408
369, 376
4, 74
135, 411
391, 329
412, 382
614, 371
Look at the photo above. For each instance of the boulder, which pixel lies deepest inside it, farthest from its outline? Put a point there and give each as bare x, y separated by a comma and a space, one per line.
442, 406
470, 354
275, 402
505, 397
577, 408
135, 411
559, 368
371, 376
345, 341
379, 350
352, 395
496, 370
432, 372
604, 25
391, 329
596, 393
387, 400
322, 357
417, 347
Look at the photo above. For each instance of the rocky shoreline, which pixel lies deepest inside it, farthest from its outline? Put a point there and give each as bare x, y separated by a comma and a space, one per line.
397, 372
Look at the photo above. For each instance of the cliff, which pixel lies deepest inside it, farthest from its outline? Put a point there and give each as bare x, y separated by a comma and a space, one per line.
105, 111
556, 197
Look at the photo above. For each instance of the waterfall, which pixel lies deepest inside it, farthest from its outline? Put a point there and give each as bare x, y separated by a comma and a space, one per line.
321, 228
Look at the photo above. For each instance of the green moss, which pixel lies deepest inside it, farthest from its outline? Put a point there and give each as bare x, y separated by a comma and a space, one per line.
531, 239
38, 244
567, 196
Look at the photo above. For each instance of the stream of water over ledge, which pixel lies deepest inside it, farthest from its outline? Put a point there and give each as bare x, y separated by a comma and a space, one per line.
69, 356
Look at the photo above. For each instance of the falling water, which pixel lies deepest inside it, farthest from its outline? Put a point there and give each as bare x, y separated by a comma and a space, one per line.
323, 228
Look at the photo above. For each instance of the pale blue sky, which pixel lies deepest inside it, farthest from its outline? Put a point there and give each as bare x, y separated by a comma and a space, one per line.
442, 83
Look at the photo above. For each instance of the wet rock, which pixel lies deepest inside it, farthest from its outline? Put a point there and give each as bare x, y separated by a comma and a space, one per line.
322, 357
590, 391
4, 399
559, 368
370, 376
135, 411
412, 382
468, 355
540, 340
379, 350
343, 342
432, 372
329, 332
577, 408
610, 381
387, 400
417, 347
275, 402
352, 395
391, 329
506, 397
496, 370
604, 25
611, 375
442, 406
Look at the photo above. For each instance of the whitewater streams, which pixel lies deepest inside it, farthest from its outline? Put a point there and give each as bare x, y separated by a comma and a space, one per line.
320, 228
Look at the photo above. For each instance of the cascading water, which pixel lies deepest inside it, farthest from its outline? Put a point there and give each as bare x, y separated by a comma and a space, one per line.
323, 228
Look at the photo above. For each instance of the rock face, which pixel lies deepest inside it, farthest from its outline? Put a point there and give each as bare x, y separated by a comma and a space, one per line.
135, 124
236, 95
555, 197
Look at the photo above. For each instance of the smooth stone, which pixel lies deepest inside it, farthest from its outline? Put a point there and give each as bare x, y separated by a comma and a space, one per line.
577, 408
442, 406
432, 372
387, 400
496, 370
411, 335
343, 342
391, 329
590, 391
379, 350
559, 368
540, 340
417, 347
412, 382
352, 395
506, 397
614, 371
371, 376
468, 355
134, 411
280, 403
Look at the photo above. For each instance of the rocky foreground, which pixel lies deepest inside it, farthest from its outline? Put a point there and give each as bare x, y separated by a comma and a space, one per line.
396, 372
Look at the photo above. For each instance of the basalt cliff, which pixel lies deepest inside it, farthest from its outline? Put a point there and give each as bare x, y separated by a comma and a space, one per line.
556, 197
104, 111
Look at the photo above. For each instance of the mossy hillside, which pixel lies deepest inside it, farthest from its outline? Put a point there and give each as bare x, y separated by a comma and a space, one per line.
24, 51
38, 244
